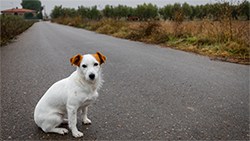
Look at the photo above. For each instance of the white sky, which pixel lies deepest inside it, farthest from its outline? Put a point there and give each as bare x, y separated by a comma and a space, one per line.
50, 4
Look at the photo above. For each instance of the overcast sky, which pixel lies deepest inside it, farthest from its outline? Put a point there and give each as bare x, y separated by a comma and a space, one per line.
50, 4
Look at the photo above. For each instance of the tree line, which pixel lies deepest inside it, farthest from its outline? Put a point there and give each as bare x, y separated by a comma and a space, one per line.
146, 11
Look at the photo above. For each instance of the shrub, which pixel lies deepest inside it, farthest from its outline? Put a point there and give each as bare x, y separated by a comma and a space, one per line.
12, 26
110, 26
28, 14
39, 15
144, 30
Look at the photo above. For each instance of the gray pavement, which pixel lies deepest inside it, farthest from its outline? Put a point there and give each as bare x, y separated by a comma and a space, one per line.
149, 92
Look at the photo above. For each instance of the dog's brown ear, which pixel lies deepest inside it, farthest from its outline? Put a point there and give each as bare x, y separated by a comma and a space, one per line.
76, 60
101, 57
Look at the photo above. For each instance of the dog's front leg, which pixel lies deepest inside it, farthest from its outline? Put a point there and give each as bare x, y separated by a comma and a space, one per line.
72, 119
85, 119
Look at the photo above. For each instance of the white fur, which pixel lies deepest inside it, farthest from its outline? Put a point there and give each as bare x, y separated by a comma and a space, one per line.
67, 96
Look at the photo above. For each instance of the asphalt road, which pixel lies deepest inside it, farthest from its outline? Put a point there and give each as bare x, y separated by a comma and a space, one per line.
149, 92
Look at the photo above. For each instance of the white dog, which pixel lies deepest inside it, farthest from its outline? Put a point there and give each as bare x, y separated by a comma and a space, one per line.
69, 95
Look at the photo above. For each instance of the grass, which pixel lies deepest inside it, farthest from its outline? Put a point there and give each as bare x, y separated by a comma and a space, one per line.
11, 26
211, 38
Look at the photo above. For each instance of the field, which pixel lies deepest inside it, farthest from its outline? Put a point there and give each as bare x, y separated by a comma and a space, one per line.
222, 40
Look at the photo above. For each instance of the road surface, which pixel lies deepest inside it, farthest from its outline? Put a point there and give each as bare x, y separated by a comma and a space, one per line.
149, 92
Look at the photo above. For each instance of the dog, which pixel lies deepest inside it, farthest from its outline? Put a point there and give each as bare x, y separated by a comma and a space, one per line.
70, 95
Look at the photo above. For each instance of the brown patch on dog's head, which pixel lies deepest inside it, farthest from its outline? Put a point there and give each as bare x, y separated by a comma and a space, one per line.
76, 60
99, 57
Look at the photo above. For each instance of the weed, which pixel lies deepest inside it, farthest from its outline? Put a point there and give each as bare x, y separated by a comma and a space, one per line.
110, 26
191, 39
178, 17
148, 29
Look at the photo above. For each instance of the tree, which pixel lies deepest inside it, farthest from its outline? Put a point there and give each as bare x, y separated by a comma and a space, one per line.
146, 11
194, 12
141, 10
32, 4
57, 12
94, 13
69, 11
176, 10
39, 15
90, 13
187, 9
246, 10
163, 13
204, 10
83, 11
108, 11
166, 11
198, 11
121, 11
152, 11
235, 11
131, 12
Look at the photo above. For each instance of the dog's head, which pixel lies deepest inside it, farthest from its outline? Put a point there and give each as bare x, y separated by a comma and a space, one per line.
89, 65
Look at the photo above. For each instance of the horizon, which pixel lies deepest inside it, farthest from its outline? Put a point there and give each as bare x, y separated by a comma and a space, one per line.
49, 5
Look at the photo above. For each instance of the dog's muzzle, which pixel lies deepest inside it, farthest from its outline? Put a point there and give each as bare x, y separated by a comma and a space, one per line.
92, 76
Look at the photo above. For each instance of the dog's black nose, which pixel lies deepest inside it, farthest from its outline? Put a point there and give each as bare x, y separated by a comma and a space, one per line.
92, 76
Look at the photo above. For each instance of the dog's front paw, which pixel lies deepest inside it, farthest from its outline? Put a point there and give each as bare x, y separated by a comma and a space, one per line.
77, 134
86, 121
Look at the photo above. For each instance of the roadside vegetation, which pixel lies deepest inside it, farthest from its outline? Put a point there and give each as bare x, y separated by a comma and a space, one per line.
219, 30
11, 26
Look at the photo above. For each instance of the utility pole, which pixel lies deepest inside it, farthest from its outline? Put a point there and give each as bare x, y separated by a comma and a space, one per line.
45, 16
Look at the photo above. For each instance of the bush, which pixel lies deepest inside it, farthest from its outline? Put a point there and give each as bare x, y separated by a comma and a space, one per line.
145, 30
12, 26
39, 15
28, 14
110, 26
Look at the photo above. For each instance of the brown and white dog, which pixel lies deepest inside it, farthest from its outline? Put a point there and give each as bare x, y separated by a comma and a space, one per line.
67, 96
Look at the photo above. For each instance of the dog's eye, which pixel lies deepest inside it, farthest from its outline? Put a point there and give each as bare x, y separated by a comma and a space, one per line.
96, 64
84, 66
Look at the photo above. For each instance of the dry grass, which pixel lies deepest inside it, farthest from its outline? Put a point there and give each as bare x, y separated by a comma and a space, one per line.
111, 26
211, 38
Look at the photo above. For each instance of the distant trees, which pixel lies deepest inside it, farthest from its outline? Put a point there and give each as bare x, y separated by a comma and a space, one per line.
166, 11
142, 11
32, 4
146, 11
108, 11
187, 10
202, 11
85, 12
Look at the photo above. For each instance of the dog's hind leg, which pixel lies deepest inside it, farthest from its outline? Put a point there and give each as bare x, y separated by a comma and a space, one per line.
59, 130
51, 122
65, 121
